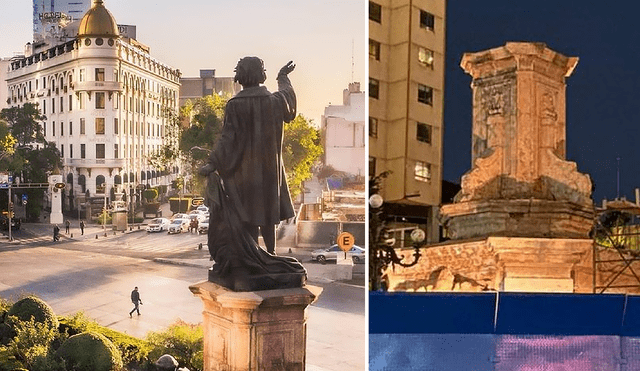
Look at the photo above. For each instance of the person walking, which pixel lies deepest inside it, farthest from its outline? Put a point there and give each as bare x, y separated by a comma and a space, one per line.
67, 224
135, 299
56, 233
82, 227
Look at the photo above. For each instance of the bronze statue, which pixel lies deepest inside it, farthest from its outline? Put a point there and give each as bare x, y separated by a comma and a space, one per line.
247, 187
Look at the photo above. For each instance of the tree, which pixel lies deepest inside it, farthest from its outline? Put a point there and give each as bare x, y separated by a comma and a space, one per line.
25, 123
7, 141
169, 152
301, 148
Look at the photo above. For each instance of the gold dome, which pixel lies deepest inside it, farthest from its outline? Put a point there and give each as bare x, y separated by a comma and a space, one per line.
98, 21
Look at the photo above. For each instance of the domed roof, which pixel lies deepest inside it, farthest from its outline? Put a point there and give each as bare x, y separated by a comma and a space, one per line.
98, 21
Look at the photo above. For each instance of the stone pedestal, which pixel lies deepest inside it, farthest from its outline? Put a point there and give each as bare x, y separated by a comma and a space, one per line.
254, 331
344, 265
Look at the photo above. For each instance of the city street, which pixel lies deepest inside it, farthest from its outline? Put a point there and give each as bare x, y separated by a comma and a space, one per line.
96, 275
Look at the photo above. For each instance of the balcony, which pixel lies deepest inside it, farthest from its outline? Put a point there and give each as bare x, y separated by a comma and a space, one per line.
98, 86
95, 163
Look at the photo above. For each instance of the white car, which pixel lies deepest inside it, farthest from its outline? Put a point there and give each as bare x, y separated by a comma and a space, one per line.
201, 216
203, 227
203, 208
178, 226
356, 253
158, 225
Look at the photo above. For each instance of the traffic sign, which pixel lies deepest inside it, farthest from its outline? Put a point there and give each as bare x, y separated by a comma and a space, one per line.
197, 201
346, 241
24, 198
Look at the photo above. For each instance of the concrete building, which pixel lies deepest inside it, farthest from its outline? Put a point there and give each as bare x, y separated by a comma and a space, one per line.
207, 84
343, 132
406, 90
106, 101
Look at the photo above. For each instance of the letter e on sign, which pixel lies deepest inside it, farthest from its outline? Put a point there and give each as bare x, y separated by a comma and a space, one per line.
346, 241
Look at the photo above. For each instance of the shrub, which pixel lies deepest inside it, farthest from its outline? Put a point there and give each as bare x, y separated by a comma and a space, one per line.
132, 350
183, 341
90, 351
31, 306
31, 345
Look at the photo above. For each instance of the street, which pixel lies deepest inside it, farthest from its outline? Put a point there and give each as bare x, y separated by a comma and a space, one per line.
96, 275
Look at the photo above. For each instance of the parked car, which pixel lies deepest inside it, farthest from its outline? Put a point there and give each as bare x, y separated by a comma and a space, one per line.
203, 227
158, 225
179, 216
178, 226
201, 216
203, 208
356, 253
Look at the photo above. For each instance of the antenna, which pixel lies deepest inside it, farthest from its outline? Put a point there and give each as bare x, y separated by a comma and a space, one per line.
618, 186
352, 63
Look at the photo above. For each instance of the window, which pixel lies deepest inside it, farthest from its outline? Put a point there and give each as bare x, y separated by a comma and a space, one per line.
53, 128
373, 127
375, 12
81, 75
44, 107
115, 150
115, 126
374, 87
99, 74
99, 125
425, 57
100, 150
44, 127
70, 128
81, 101
82, 150
61, 128
374, 49
425, 94
70, 150
71, 103
82, 127
62, 150
422, 171
372, 166
53, 105
61, 104
424, 133
99, 100
427, 20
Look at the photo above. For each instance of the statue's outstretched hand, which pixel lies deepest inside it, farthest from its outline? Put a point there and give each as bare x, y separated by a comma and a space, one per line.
287, 68
206, 169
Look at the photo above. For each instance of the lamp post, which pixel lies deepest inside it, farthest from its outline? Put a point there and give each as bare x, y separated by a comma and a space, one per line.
381, 242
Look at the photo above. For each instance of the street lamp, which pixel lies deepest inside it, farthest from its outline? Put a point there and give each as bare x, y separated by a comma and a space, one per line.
381, 242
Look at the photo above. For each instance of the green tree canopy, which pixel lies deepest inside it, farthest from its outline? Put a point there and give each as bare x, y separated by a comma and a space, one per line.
25, 123
301, 148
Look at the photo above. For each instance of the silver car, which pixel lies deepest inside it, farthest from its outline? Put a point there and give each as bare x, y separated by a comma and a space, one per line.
356, 253
203, 227
178, 226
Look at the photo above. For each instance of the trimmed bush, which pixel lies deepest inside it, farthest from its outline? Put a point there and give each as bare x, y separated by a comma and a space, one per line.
90, 351
183, 341
31, 306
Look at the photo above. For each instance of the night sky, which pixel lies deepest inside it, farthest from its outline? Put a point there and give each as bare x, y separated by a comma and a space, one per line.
603, 105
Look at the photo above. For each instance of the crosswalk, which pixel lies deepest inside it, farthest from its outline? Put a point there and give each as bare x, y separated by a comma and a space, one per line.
142, 242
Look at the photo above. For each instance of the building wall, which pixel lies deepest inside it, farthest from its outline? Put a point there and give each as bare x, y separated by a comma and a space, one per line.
4, 91
206, 84
396, 112
343, 132
67, 81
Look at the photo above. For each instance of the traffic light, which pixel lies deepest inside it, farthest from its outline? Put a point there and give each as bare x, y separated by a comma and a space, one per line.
58, 186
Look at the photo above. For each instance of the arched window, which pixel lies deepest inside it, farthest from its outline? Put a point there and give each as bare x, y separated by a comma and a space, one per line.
126, 178
100, 184
82, 182
117, 179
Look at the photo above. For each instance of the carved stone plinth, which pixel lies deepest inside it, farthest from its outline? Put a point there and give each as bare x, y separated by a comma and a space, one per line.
517, 218
254, 331
499, 264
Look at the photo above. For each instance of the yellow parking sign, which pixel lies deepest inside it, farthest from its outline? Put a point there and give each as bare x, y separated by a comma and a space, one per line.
346, 241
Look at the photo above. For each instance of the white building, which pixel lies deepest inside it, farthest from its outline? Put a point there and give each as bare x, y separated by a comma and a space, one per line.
105, 100
343, 132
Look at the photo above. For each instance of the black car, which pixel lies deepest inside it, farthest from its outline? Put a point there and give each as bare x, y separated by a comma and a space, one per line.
4, 223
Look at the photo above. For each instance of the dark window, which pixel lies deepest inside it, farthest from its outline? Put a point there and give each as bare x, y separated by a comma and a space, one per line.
374, 88
425, 94
61, 128
100, 150
375, 12
62, 150
71, 103
374, 49
99, 74
70, 128
61, 104
82, 127
373, 127
115, 126
53, 105
427, 20
70, 150
424, 133
99, 125
372, 167
83, 152
99, 100
53, 128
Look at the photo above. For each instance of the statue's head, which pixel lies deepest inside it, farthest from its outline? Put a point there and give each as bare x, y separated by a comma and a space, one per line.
250, 72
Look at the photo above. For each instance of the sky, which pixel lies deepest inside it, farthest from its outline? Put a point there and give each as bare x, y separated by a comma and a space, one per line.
603, 100
321, 37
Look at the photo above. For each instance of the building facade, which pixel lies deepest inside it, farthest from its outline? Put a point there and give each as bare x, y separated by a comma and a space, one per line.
406, 92
343, 133
208, 83
107, 104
